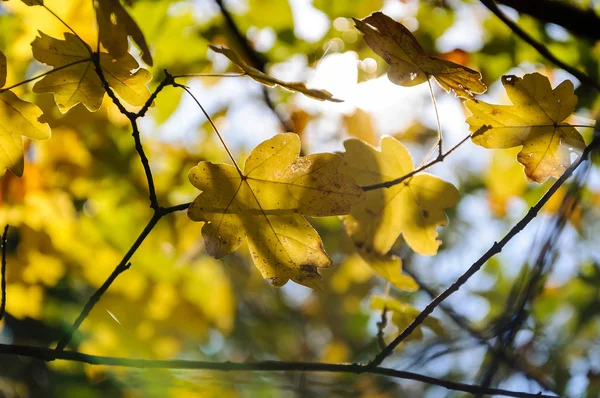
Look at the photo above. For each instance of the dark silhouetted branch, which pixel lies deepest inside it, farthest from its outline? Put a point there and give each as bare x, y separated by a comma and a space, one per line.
585, 79
47, 354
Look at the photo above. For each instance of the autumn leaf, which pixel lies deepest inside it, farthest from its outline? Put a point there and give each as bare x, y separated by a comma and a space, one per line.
114, 25
413, 208
17, 118
75, 80
534, 121
403, 314
389, 267
263, 78
409, 64
33, 2
265, 204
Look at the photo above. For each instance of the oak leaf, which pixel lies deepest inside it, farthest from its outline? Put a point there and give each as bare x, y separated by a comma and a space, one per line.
534, 121
409, 64
17, 118
413, 208
263, 78
77, 81
115, 25
266, 204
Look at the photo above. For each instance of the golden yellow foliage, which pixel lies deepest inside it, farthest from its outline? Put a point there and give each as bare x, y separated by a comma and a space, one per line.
534, 121
413, 208
77, 81
266, 203
18, 118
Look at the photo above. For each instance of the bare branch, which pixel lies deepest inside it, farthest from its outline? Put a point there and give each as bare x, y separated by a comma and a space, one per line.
495, 249
47, 354
491, 5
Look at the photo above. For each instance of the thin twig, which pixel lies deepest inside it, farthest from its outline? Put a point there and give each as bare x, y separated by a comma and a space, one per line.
47, 354
66, 25
3, 243
173, 209
492, 251
121, 267
187, 90
440, 158
584, 78
510, 359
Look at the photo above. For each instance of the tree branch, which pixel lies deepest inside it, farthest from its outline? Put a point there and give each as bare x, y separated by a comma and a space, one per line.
581, 22
491, 5
495, 249
3, 243
255, 60
120, 268
512, 360
47, 354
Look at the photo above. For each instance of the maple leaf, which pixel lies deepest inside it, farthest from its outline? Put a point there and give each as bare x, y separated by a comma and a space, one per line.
75, 80
534, 121
409, 64
265, 204
17, 118
263, 78
403, 314
413, 208
114, 25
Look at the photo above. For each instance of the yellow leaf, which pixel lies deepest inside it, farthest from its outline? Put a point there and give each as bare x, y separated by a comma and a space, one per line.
389, 267
403, 314
413, 208
17, 118
77, 81
409, 64
360, 125
266, 203
263, 78
533, 122
504, 180
114, 25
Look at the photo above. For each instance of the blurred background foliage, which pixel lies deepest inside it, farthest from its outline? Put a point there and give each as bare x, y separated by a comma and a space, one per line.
83, 200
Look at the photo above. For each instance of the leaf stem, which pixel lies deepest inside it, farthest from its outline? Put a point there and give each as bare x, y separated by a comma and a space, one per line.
440, 143
187, 90
66, 25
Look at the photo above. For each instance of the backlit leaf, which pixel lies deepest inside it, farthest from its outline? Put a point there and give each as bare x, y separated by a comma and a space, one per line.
17, 118
413, 208
409, 64
266, 205
534, 121
77, 81
263, 78
115, 25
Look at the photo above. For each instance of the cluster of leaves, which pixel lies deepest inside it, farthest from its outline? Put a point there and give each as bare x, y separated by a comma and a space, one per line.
377, 191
